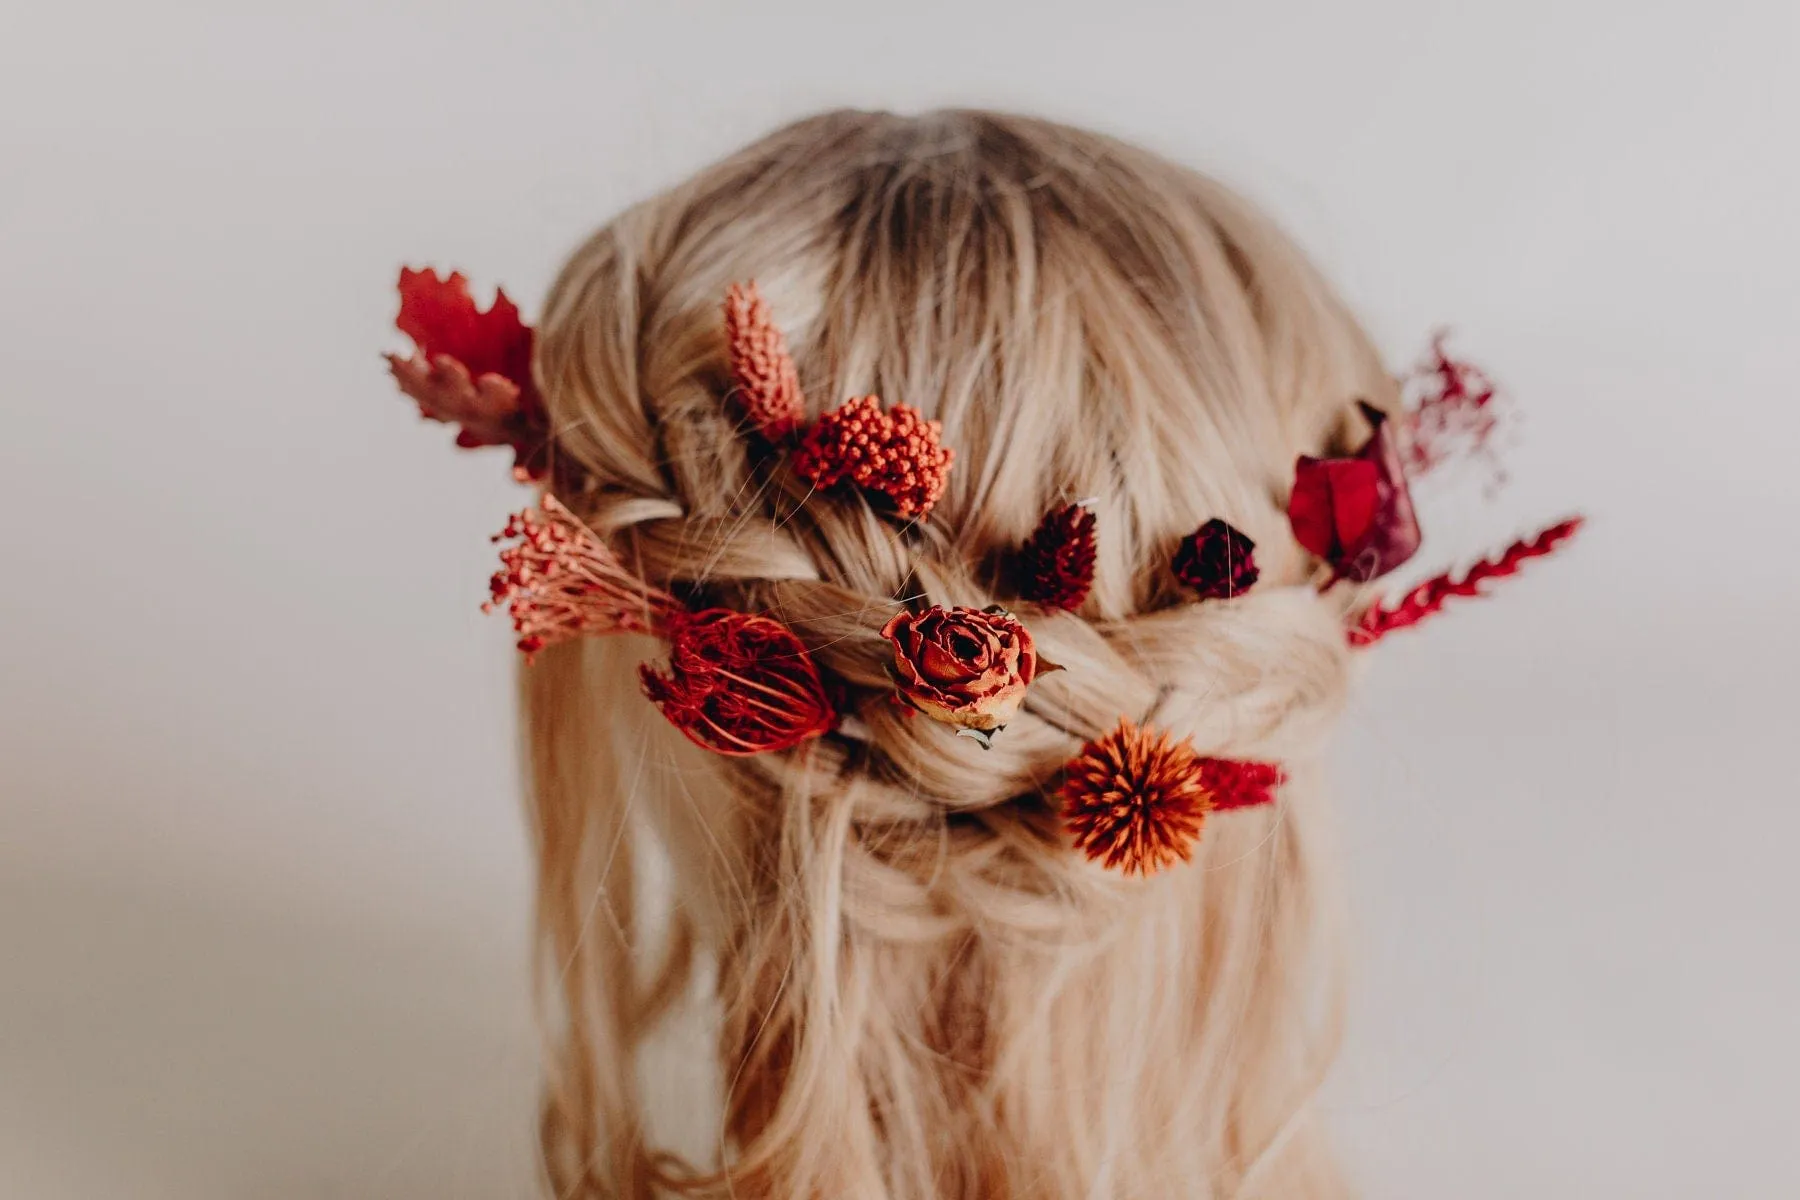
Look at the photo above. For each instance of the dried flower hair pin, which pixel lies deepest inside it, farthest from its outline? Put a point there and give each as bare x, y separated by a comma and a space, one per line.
1356, 513
1136, 799
735, 683
738, 683
967, 667
894, 454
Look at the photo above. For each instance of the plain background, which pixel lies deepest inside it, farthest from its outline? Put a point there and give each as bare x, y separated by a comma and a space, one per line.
263, 885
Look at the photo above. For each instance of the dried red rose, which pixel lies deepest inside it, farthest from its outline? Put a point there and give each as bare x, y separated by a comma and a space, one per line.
896, 454
1356, 513
472, 368
967, 667
1055, 567
1217, 561
739, 684
1136, 800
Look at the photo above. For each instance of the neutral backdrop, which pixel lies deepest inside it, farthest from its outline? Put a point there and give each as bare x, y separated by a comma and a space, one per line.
263, 885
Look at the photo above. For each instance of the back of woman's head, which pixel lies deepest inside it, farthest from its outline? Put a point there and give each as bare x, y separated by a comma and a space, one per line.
913, 987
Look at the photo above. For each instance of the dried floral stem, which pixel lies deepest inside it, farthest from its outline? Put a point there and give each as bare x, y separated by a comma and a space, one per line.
1455, 412
1429, 597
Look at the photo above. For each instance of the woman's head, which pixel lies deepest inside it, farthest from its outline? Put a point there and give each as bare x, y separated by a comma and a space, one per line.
919, 988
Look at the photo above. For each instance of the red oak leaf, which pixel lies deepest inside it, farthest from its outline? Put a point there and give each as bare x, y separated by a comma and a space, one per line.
472, 368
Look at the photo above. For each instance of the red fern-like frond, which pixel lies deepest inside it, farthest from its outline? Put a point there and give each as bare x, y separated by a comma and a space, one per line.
1428, 598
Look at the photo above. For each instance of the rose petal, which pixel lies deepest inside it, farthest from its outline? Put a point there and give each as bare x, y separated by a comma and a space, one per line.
1355, 513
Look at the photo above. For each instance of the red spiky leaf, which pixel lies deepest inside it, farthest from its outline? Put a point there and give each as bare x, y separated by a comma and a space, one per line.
765, 384
1055, 566
559, 582
472, 368
897, 454
739, 684
1429, 597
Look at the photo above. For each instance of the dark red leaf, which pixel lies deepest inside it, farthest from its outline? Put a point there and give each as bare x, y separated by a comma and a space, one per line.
1356, 513
473, 368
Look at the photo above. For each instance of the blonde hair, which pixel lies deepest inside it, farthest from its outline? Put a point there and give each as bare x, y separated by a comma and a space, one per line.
917, 989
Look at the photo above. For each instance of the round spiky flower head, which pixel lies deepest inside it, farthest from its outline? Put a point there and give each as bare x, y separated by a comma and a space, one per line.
1135, 799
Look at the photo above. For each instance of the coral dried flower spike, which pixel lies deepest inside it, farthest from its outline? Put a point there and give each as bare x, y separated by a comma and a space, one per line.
765, 383
560, 582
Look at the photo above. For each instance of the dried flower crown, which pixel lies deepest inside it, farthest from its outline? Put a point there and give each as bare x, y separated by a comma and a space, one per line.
1134, 799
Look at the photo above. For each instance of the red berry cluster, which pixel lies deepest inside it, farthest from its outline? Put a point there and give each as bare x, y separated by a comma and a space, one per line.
896, 453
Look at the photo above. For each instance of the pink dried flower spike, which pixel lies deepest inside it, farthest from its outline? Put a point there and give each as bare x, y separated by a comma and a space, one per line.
560, 582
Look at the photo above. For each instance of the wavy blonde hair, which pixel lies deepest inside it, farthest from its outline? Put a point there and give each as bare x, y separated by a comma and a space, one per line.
910, 987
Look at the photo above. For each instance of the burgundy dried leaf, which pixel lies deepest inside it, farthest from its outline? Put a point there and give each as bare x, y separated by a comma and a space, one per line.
1356, 513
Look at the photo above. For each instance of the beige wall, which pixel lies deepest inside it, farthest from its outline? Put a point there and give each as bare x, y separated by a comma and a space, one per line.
262, 883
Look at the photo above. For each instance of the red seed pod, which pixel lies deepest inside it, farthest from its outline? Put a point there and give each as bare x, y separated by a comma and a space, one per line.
739, 684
